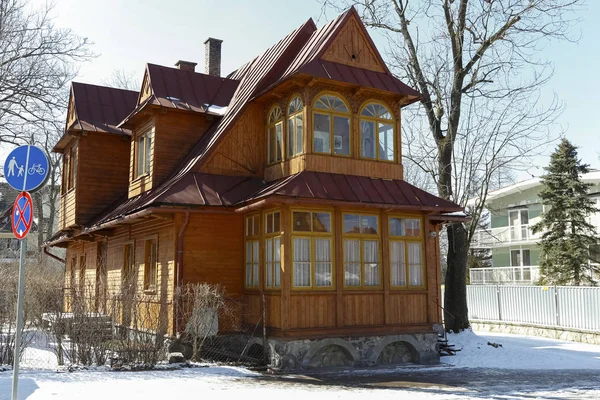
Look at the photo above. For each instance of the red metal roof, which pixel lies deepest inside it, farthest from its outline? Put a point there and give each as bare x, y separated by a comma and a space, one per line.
100, 108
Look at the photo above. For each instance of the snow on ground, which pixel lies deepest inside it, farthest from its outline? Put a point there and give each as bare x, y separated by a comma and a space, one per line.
522, 367
520, 352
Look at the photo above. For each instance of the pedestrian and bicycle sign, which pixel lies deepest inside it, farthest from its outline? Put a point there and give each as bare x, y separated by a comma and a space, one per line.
27, 168
22, 215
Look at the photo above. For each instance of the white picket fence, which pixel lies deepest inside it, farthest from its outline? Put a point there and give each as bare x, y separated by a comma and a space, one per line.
556, 306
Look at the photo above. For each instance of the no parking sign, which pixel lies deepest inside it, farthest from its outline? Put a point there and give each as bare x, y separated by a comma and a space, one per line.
22, 215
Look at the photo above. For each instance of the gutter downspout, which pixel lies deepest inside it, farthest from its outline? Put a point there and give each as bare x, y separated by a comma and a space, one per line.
179, 272
57, 258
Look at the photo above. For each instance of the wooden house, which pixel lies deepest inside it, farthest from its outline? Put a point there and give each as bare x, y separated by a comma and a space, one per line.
282, 182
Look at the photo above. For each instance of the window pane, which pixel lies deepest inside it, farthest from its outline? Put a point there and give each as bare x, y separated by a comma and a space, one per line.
351, 262
269, 227
299, 134
301, 262
369, 224
255, 276
323, 275
279, 140
321, 222
301, 221
413, 227
351, 223
295, 105
276, 223
397, 262
376, 111
367, 139
147, 155
515, 258
272, 146
255, 252
526, 257
140, 156
331, 102
277, 262
269, 261
371, 259
341, 135
397, 227
415, 267
322, 133
386, 142
290, 137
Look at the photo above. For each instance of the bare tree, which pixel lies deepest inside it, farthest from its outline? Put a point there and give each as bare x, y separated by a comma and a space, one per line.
478, 68
122, 79
36, 63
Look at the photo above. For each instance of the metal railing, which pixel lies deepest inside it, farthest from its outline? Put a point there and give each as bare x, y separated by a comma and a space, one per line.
571, 307
502, 236
527, 275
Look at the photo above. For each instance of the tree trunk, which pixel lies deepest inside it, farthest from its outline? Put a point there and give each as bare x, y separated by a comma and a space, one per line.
455, 295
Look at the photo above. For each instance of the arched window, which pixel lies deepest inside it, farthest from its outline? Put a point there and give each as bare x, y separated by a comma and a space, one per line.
275, 135
377, 133
331, 121
295, 126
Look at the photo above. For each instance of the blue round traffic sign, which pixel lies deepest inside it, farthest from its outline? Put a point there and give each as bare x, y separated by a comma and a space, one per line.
22, 215
27, 168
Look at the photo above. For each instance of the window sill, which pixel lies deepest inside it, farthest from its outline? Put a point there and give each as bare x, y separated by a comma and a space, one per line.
68, 192
141, 177
150, 291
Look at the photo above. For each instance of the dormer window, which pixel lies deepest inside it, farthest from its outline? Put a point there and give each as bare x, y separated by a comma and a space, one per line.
331, 118
275, 135
295, 127
143, 153
377, 136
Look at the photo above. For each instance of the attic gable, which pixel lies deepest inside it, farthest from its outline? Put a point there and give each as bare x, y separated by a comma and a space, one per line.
352, 46
146, 90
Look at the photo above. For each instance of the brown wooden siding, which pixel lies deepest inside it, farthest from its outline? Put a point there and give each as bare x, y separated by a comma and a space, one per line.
140, 184
407, 308
243, 150
312, 310
102, 174
68, 210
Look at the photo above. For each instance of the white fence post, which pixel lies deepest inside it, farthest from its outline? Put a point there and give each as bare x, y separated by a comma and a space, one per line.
499, 303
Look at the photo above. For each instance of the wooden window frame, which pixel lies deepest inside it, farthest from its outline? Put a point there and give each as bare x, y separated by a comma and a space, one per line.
271, 236
313, 236
279, 121
291, 121
150, 287
147, 135
376, 121
252, 237
68, 172
362, 237
407, 239
332, 114
128, 270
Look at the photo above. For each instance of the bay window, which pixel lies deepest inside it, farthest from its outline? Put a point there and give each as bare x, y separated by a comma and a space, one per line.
252, 252
377, 133
331, 126
275, 135
312, 250
295, 126
406, 253
362, 266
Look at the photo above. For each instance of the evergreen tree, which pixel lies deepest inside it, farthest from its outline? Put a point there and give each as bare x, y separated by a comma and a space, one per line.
567, 234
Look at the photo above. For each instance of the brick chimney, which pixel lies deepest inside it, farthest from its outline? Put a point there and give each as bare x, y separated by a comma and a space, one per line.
212, 56
186, 65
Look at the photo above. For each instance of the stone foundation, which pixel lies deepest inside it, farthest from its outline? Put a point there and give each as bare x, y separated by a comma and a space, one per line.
292, 355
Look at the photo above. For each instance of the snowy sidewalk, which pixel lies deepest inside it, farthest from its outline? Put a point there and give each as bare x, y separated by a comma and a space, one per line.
522, 367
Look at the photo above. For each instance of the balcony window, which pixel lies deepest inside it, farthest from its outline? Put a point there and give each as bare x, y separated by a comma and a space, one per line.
331, 126
275, 135
295, 127
377, 133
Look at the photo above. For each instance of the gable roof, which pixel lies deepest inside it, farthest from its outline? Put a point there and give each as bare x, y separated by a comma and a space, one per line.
98, 109
183, 90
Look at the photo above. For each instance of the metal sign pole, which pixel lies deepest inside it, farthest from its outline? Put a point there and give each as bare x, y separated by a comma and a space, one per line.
17, 352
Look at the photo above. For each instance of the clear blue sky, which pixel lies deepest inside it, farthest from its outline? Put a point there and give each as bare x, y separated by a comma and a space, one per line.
129, 33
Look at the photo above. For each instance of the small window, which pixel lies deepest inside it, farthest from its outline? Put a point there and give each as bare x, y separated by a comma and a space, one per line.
305, 221
252, 225
150, 265
405, 227
128, 272
360, 224
377, 133
144, 153
275, 135
295, 127
331, 123
272, 222
69, 167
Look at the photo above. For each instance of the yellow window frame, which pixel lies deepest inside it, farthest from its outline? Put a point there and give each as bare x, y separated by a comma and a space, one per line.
273, 124
291, 121
150, 272
376, 122
408, 239
332, 114
272, 236
361, 237
252, 236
